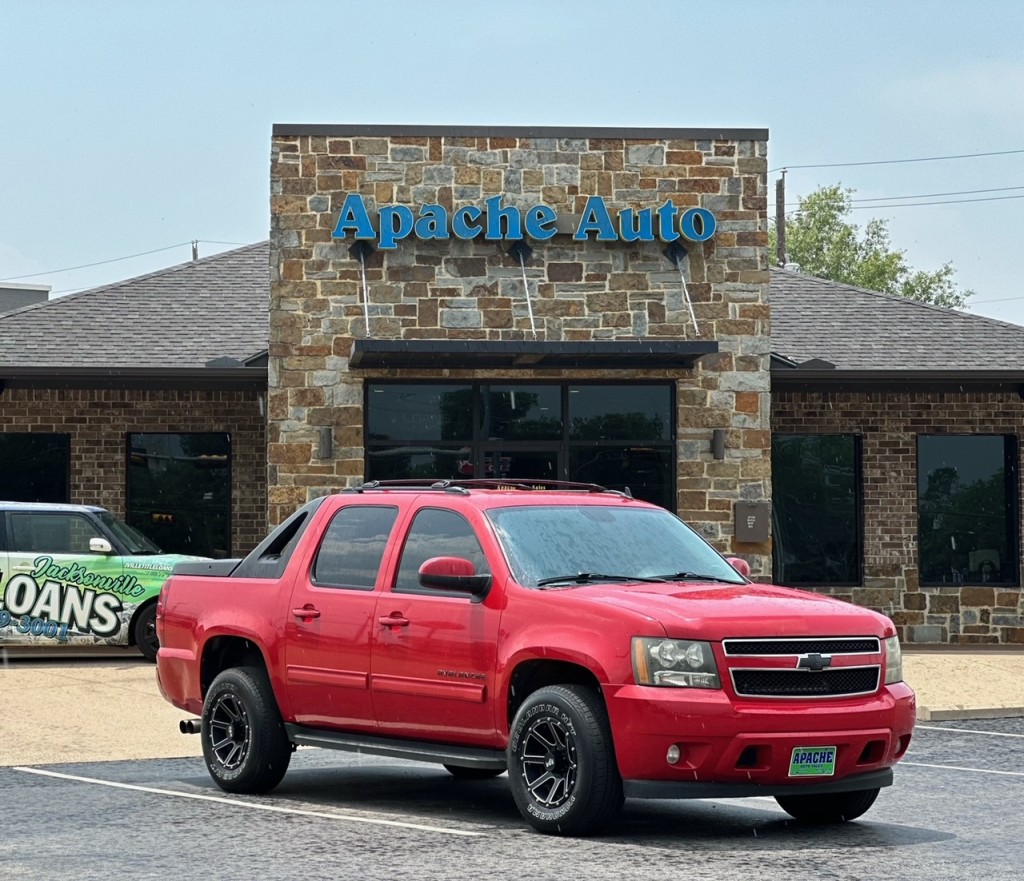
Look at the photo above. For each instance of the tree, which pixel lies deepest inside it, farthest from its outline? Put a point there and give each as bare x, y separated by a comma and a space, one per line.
825, 244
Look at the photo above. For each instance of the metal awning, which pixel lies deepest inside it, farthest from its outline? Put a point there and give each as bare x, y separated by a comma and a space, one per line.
525, 354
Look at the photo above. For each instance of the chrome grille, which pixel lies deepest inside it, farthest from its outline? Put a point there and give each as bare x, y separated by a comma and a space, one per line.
840, 682
842, 645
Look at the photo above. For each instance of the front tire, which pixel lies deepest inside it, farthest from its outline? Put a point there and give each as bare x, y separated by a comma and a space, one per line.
561, 762
144, 632
244, 741
835, 807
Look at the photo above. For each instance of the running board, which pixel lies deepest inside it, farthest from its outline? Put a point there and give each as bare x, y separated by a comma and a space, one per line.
415, 750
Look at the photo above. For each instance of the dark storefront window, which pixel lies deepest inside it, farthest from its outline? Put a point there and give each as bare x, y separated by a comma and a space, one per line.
967, 509
179, 491
816, 509
616, 435
35, 467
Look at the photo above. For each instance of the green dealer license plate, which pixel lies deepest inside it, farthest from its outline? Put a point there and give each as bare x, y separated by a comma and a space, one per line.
813, 761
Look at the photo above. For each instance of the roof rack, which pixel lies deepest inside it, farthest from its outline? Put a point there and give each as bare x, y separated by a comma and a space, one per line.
465, 485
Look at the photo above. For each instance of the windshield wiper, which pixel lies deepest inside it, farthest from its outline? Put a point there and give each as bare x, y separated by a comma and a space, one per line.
693, 576
591, 577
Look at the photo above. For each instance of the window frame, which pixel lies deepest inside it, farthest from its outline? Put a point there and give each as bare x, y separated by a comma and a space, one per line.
346, 510
65, 438
229, 465
858, 512
1012, 525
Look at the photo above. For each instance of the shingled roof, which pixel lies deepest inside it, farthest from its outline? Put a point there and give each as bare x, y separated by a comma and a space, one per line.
197, 319
826, 329
210, 318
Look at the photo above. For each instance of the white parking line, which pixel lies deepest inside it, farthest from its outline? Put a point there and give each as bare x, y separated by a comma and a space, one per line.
959, 768
966, 731
348, 818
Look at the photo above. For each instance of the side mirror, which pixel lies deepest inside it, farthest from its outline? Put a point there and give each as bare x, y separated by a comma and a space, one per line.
740, 565
453, 573
100, 546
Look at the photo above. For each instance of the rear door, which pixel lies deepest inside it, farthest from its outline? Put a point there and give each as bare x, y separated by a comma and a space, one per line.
55, 590
434, 653
330, 619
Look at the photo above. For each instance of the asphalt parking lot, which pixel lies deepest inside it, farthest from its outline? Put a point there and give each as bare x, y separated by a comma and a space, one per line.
954, 813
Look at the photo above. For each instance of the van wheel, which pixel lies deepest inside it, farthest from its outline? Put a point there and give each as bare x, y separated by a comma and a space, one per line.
244, 741
459, 772
561, 762
835, 807
144, 632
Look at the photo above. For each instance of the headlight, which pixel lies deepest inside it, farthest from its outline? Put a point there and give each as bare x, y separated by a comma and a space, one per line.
681, 663
893, 661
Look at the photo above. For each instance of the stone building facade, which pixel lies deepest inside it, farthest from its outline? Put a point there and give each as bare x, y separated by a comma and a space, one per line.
501, 315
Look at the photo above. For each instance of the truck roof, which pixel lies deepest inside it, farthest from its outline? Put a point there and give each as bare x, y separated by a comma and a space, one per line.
48, 506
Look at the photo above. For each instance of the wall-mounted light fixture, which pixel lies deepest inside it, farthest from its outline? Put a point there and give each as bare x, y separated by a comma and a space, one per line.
718, 443
326, 443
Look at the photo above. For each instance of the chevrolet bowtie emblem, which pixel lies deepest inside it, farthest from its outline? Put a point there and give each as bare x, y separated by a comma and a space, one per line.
814, 662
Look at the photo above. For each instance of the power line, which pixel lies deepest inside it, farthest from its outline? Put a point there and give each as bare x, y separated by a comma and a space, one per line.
99, 263
895, 161
943, 202
1001, 300
930, 195
116, 260
919, 204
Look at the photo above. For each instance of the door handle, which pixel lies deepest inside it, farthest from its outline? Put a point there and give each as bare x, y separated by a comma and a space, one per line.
306, 612
395, 620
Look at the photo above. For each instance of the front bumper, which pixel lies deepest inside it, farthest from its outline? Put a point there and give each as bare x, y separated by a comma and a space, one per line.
732, 747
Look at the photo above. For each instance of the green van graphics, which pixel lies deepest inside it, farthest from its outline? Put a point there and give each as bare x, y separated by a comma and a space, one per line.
76, 575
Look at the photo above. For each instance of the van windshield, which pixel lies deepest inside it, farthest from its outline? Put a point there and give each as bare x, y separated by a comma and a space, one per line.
129, 536
545, 545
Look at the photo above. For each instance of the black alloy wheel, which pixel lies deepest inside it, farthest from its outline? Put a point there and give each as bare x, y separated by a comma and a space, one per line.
244, 742
561, 761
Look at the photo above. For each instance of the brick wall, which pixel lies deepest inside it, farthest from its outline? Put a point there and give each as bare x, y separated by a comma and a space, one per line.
889, 424
99, 421
473, 290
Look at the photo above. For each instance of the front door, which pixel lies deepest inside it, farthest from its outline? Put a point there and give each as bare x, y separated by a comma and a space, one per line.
434, 653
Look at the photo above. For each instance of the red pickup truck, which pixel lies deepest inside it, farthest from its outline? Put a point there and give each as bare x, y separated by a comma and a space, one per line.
590, 644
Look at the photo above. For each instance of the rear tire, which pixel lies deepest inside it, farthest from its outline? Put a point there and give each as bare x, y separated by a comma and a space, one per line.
244, 741
462, 773
561, 761
144, 632
835, 807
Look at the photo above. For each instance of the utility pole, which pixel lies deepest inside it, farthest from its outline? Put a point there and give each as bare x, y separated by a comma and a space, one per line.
780, 219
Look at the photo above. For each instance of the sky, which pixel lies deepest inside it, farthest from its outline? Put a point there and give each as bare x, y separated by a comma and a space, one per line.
135, 128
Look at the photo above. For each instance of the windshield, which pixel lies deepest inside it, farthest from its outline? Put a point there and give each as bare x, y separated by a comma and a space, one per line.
543, 544
129, 536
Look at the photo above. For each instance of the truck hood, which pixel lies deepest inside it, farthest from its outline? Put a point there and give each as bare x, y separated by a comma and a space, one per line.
722, 611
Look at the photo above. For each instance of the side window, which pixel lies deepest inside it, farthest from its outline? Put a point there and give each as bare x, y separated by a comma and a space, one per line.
437, 533
816, 509
968, 524
353, 546
51, 533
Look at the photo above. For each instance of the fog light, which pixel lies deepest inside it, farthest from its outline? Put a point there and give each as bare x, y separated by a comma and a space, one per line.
673, 755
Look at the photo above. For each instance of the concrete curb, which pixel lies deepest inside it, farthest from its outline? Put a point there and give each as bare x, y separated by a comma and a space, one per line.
926, 714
